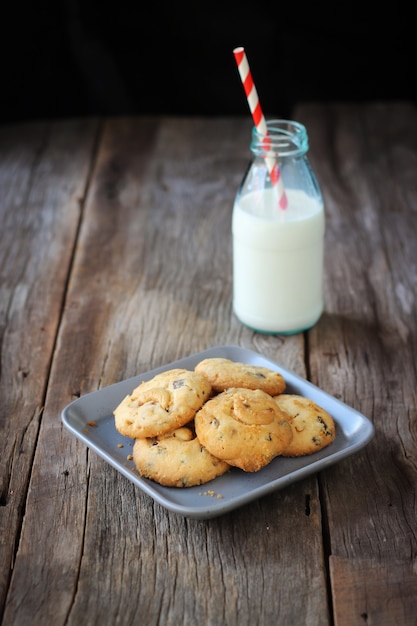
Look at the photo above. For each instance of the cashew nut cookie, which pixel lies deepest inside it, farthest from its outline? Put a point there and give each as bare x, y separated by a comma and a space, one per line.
313, 427
243, 428
177, 459
166, 402
224, 373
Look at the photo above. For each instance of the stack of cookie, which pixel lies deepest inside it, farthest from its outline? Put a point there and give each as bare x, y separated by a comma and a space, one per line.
192, 426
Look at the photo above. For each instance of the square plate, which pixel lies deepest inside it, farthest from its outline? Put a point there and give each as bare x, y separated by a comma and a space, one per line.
90, 418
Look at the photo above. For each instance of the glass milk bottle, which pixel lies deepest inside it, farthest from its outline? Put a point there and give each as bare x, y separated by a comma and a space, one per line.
278, 252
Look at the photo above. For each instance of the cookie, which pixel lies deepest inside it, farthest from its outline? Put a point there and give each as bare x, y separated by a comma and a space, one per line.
166, 402
177, 459
224, 374
243, 427
313, 427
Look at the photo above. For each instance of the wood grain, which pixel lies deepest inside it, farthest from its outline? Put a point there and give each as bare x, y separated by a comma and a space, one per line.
129, 252
364, 351
44, 174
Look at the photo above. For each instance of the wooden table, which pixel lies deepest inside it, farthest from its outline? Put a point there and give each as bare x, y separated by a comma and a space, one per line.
115, 258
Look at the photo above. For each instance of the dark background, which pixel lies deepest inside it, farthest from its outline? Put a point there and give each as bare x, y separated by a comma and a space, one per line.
79, 58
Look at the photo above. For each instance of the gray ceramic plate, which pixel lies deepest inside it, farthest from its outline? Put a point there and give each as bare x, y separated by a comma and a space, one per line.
235, 488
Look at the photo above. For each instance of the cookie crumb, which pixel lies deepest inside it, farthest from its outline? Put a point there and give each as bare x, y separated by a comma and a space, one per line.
129, 457
92, 424
120, 445
211, 493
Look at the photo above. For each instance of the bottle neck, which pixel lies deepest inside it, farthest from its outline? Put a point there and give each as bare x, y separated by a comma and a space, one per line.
284, 138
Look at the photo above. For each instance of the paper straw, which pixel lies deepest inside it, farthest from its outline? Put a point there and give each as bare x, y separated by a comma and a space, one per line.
259, 121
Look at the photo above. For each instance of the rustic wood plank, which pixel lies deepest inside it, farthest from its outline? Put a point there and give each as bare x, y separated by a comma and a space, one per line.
359, 595
151, 282
364, 352
43, 174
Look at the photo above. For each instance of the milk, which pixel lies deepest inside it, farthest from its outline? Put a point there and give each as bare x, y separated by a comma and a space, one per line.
278, 261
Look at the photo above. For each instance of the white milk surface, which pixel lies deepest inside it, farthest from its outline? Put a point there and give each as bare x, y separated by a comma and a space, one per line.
278, 261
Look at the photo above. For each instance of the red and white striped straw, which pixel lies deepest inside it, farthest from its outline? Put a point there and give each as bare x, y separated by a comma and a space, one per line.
259, 120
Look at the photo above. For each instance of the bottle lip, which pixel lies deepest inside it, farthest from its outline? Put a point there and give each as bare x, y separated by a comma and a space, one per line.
284, 138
